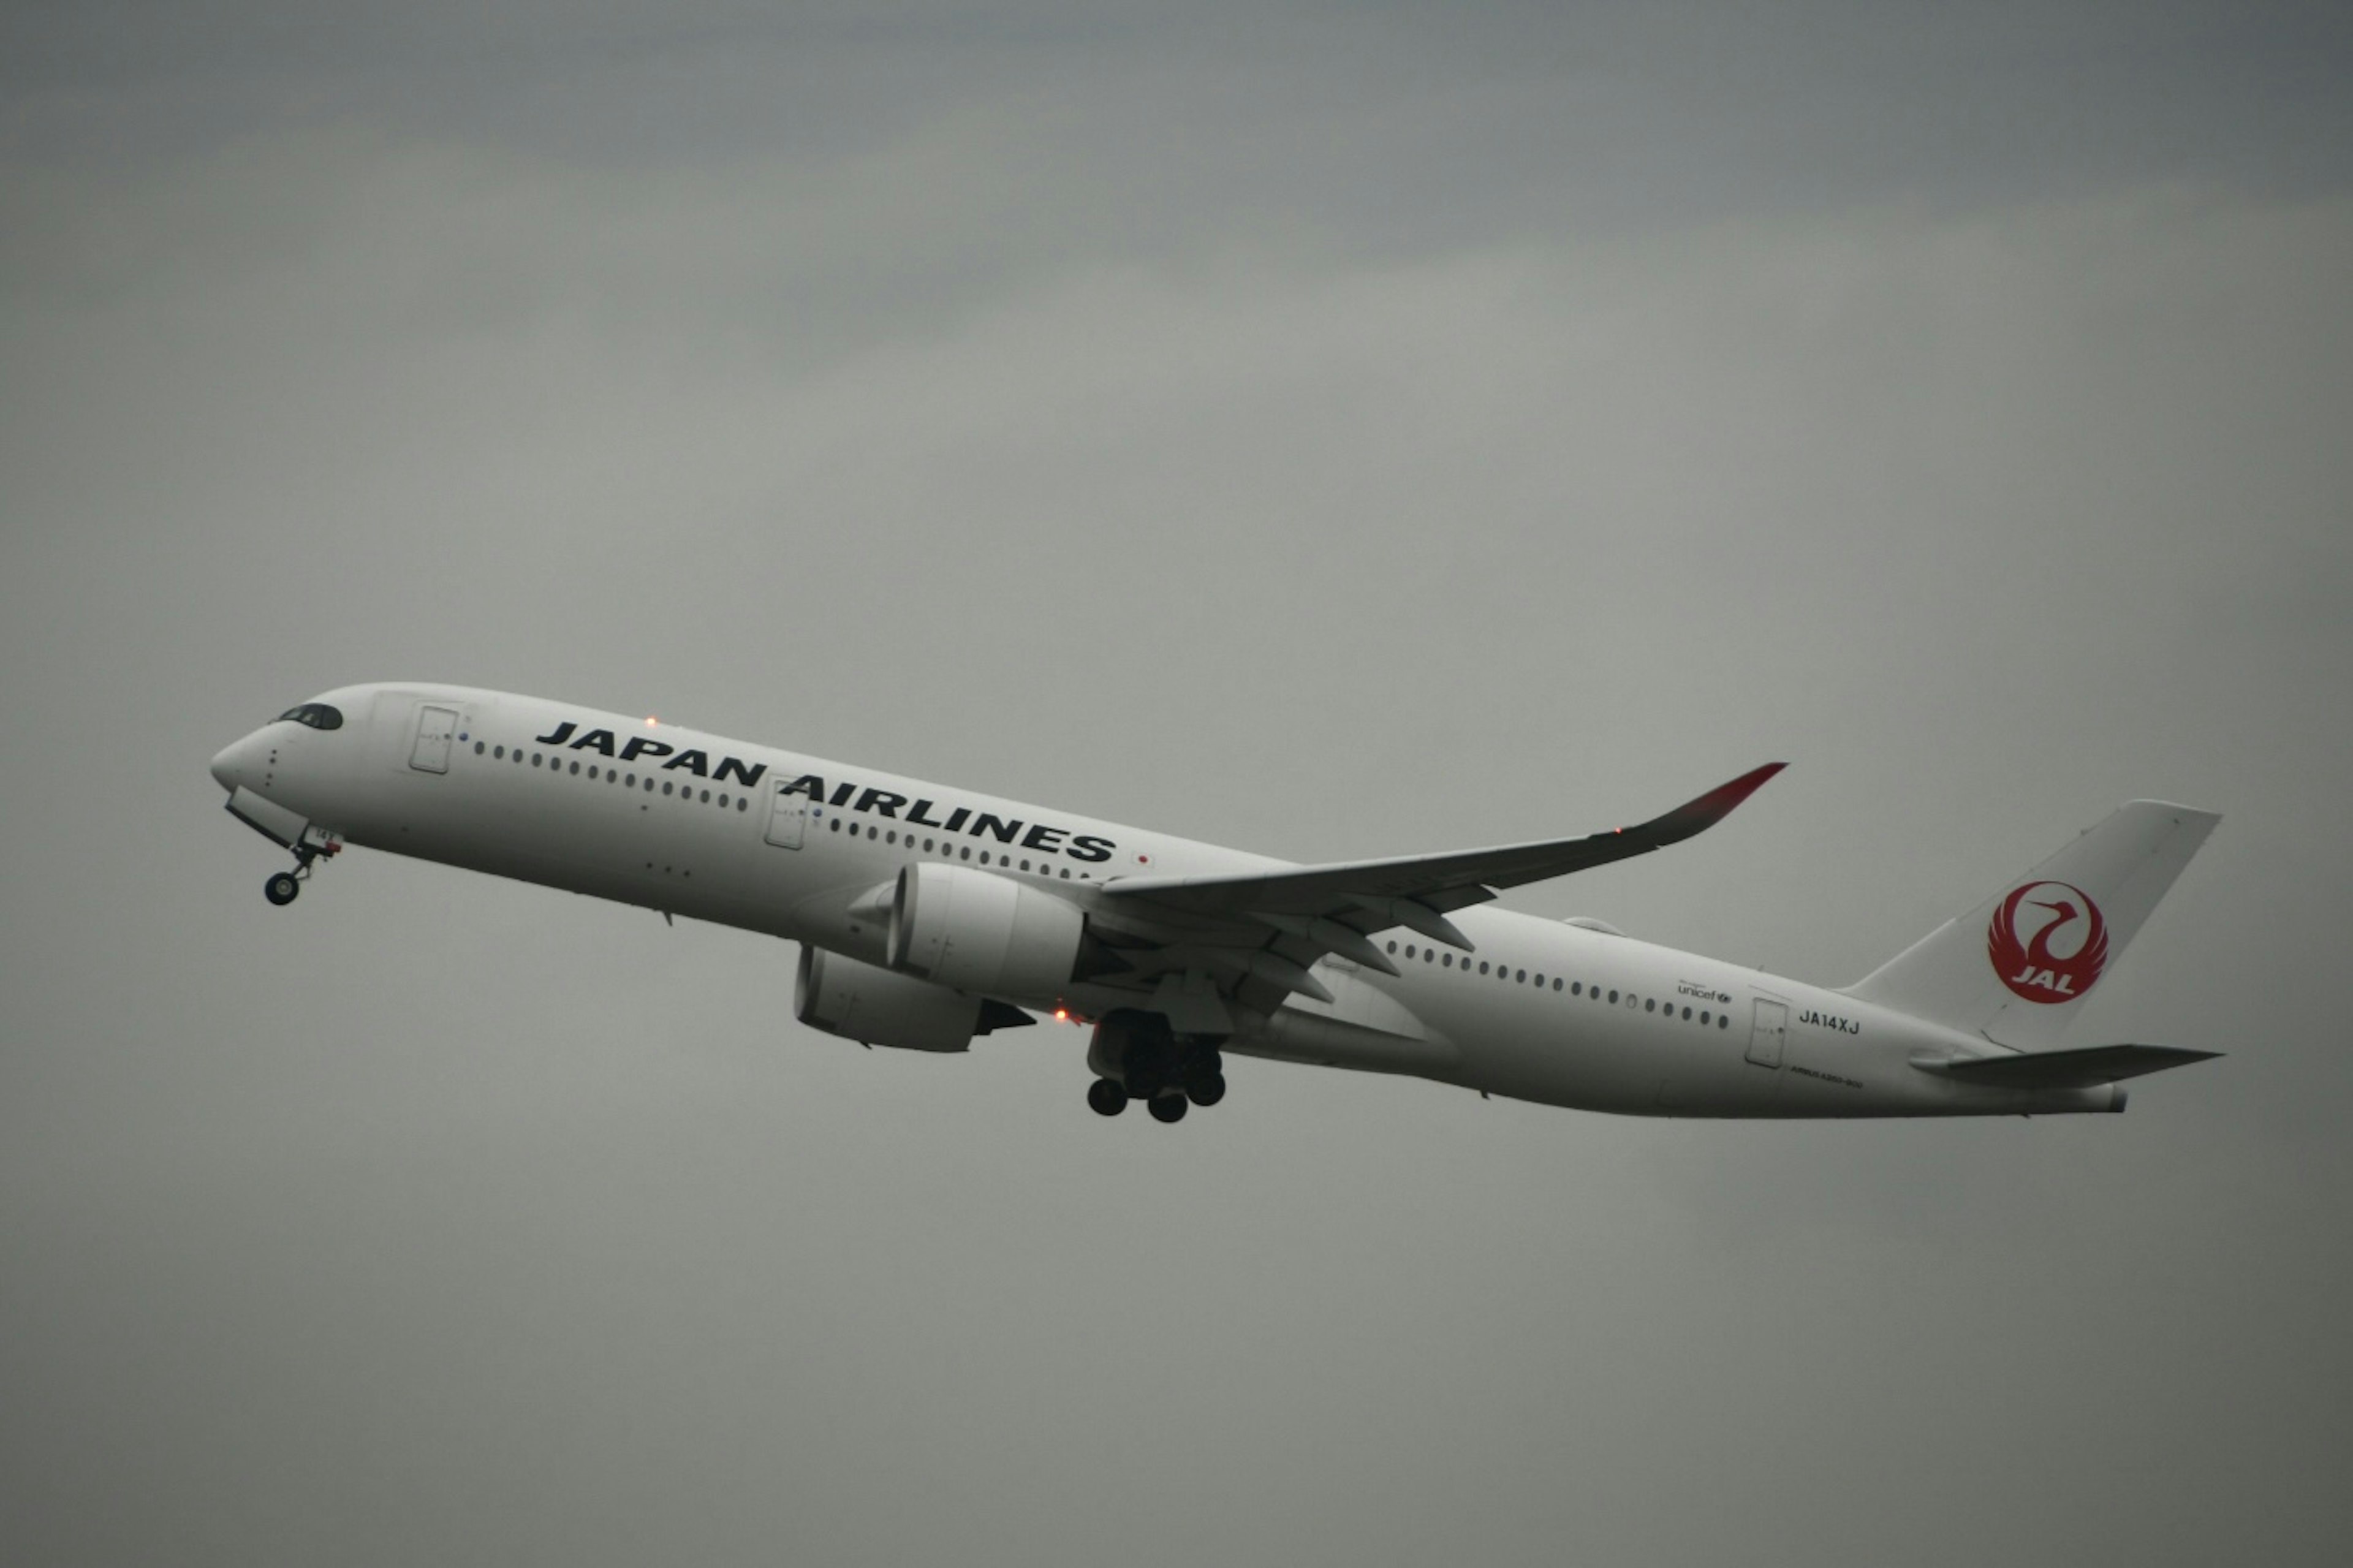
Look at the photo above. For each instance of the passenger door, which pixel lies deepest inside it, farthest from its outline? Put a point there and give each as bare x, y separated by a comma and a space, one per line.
787, 818
1767, 1035
435, 727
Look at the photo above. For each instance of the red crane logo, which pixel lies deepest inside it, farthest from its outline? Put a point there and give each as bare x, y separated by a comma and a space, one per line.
2048, 957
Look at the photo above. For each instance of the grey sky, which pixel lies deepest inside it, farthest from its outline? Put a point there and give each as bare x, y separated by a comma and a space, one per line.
1352, 433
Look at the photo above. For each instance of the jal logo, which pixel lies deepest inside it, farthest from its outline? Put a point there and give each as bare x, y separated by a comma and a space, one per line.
2048, 942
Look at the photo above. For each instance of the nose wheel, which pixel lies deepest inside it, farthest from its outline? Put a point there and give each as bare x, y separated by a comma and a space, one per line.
287, 886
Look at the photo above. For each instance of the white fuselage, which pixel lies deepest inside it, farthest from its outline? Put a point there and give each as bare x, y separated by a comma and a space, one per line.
693, 825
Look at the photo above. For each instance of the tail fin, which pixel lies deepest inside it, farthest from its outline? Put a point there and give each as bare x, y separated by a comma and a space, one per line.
2016, 969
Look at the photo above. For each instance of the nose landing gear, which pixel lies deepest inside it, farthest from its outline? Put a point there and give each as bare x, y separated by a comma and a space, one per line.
287, 886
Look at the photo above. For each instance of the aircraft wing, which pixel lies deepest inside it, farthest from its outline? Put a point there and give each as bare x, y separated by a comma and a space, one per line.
1268, 927
1439, 882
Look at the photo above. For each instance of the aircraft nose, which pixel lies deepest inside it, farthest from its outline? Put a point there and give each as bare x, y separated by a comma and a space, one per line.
231, 766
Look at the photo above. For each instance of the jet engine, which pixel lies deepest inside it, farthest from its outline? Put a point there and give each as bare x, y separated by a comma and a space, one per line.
877, 1007
970, 930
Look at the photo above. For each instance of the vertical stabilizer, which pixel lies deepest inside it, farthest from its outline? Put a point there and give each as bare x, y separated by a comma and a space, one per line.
2016, 969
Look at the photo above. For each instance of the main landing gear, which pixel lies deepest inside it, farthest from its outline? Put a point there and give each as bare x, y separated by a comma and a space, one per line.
287, 886
1135, 1055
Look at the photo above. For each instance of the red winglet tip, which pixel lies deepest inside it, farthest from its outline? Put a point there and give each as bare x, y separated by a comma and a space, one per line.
1717, 803
1728, 795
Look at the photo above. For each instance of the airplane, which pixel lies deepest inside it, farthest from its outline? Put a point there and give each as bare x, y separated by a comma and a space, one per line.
928, 916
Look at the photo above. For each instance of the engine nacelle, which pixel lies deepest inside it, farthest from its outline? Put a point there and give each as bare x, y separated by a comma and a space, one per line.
965, 928
860, 1002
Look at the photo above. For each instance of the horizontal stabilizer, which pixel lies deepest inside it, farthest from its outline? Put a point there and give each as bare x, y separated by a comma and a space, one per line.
2085, 1069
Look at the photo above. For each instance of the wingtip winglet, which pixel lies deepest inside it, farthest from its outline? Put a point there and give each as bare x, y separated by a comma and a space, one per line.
1749, 783
1718, 803
1697, 815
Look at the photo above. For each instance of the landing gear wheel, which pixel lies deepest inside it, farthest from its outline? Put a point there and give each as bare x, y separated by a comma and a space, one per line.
1108, 1098
1167, 1107
281, 889
1207, 1089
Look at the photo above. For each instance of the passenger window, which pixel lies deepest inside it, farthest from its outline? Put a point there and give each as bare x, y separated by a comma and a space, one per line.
1686, 1015
741, 803
964, 853
927, 846
1522, 978
534, 759
500, 753
1066, 873
1613, 997
1723, 1020
1393, 949
1447, 962
1482, 967
650, 784
665, 787
1702, 1017
1555, 983
478, 748
706, 798
892, 837
1649, 1005
1025, 865
722, 800
576, 767
835, 824
984, 856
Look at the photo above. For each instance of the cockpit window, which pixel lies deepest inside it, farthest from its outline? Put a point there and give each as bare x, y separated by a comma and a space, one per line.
318, 715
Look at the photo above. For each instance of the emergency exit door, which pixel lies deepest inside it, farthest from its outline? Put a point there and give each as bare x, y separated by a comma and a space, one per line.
1766, 1035
435, 727
787, 818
